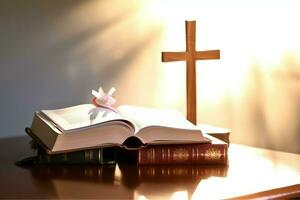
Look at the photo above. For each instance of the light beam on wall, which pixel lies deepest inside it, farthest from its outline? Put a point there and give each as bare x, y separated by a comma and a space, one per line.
243, 91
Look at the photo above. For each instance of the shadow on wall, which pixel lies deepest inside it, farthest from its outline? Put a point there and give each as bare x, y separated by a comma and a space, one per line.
53, 54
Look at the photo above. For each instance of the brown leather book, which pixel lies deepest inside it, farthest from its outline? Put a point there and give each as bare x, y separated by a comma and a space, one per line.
215, 153
165, 154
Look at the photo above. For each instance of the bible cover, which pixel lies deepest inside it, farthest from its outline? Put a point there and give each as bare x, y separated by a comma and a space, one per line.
92, 156
184, 154
106, 155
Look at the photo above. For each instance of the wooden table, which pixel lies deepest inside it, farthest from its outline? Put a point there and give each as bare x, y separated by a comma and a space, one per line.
263, 172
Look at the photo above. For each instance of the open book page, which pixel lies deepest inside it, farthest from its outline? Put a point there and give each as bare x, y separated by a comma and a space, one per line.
80, 117
144, 117
161, 125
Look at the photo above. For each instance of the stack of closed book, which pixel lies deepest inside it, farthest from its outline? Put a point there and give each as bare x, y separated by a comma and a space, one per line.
86, 134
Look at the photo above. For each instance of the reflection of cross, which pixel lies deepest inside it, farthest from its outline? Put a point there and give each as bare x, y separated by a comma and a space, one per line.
190, 56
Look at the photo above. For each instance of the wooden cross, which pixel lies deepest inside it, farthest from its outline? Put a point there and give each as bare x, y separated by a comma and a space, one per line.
190, 56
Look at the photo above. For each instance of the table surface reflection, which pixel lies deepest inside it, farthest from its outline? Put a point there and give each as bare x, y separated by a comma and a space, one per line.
250, 170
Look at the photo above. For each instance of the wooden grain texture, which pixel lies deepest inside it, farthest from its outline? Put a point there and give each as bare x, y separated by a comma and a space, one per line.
190, 56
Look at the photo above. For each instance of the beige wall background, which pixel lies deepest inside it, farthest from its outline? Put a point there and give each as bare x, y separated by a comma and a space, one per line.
53, 53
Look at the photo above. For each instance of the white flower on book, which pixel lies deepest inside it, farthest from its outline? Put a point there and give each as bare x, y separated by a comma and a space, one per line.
103, 98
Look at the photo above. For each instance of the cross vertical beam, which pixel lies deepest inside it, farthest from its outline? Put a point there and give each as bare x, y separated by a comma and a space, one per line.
191, 95
190, 56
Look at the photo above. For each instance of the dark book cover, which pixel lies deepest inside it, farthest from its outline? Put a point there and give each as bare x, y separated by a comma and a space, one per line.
105, 155
92, 156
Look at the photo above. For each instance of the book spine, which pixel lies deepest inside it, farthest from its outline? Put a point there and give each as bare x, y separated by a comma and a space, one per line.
93, 156
184, 154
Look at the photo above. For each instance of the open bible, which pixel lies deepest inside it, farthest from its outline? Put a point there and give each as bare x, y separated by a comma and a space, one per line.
88, 127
